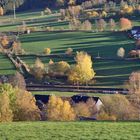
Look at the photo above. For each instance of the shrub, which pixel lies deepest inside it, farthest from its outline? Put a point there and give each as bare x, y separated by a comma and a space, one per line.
38, 69
61, 68
121, 52
112, 24
87, 109
47, 11
86, 25
118, 105
69, 51
57, 109
16, 48
104, 116
81, 110
18, 81
47, 51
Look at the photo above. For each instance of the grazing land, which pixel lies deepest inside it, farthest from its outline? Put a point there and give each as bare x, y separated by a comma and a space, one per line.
70, 131
104, 44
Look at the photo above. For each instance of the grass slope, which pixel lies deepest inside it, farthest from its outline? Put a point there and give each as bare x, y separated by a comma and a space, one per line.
70, 131
6, 67
108, 72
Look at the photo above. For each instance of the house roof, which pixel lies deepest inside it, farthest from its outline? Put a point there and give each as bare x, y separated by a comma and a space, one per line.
75, 98
135, 28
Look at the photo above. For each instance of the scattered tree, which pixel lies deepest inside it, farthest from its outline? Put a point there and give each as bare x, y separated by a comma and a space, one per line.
78, 73
125, 24
47, 51
112, 24
121, 52
86, 25
57, 109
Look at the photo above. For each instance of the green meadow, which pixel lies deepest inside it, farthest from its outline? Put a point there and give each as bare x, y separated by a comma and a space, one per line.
70, 131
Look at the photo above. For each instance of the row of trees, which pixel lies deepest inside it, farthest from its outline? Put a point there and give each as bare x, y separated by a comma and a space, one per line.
100, 25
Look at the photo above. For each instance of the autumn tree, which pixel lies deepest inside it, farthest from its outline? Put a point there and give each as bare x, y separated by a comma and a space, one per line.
86, 25
18, 81
57, 109
26, 109
101, 24
74, 24
1, 11
125, 24
69, 51
16, 48
38, 69
60, 68
82, 72
4, 41
85, 109
6, 113
121, 52
118, 106
19, 102
112, 24
47, 51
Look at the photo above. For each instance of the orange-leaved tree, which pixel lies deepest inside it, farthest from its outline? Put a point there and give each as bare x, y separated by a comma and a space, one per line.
125, 24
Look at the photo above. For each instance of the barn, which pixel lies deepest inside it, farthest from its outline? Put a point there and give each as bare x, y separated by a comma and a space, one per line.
41, 100
134, 32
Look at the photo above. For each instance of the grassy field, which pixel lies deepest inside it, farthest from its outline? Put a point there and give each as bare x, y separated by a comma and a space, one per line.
6, 67
58, 93
105, 44
70, 131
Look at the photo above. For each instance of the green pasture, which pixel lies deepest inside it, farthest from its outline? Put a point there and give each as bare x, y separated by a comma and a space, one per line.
6, 67
70, 131
67, 94
103, 44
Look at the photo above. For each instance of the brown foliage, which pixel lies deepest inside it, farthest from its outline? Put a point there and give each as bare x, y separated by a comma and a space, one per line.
26, 109
4, 41
18, 81
6, 114
117, 105
87, 109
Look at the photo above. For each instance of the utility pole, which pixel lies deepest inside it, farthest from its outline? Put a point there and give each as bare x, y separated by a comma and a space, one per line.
14, 8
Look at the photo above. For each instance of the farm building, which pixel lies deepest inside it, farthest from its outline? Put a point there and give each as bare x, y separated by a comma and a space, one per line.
134, 32
41, 100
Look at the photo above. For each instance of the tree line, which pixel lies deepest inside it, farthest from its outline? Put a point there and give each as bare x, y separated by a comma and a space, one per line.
31, 4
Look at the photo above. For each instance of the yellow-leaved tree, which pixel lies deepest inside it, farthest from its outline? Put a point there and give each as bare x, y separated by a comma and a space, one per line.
82, 72
6, 114
57, 109
38, 69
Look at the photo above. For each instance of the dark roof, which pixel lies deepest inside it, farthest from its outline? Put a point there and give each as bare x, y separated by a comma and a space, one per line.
135, 28
75, 98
